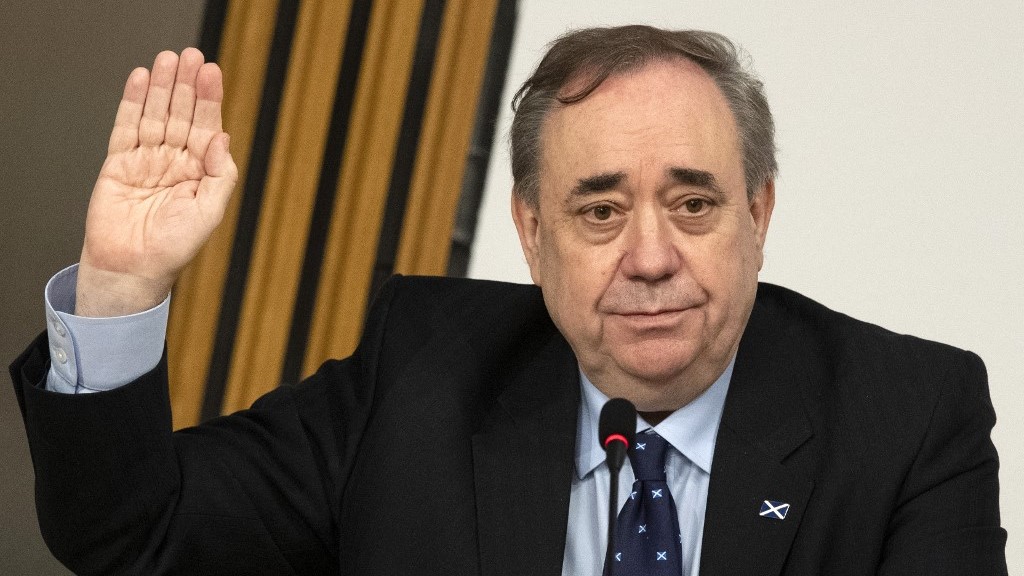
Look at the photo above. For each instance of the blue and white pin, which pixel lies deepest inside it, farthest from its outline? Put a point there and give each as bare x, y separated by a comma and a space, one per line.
774, 510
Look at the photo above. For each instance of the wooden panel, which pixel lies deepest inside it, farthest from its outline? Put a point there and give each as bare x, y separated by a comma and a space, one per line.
444, 142
244, 49
294, 171
363, 187
288, 200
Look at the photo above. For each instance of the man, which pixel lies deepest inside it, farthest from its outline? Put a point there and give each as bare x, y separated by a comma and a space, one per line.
460, 437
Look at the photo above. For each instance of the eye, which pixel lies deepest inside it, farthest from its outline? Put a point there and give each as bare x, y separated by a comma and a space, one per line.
695, 205
601, 211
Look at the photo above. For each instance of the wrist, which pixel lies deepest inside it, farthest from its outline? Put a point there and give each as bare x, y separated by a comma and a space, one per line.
102, 293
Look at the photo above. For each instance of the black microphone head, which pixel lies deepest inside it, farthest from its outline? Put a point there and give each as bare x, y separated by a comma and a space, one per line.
618, 419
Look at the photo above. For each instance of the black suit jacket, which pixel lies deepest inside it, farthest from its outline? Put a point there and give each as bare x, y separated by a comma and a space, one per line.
445, 445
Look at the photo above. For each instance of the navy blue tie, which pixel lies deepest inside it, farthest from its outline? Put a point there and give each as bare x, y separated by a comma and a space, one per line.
647, 531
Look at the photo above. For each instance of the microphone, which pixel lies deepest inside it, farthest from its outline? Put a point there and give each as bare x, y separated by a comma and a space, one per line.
616, 431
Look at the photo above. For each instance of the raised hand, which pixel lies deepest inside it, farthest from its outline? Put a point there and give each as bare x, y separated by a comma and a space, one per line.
162, 189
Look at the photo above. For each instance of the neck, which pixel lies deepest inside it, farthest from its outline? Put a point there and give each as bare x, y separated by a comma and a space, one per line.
655, 418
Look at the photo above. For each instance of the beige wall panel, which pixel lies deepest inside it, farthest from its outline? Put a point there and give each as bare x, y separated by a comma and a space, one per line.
363, 187
195, 308
290, 191
444, 142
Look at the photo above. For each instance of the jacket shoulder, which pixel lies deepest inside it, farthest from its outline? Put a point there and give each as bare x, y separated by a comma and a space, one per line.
463, 307
845, 337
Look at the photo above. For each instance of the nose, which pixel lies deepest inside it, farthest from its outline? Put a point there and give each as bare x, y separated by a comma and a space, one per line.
650, 254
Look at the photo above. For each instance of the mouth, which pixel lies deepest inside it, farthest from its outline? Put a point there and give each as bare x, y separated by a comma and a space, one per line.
649, 312
653, 319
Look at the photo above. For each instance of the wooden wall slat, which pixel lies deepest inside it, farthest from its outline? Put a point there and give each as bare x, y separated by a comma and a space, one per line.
289, 195
195, 307
444, 143
347, 268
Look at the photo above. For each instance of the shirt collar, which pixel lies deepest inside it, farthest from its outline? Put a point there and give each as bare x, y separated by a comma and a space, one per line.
691, 429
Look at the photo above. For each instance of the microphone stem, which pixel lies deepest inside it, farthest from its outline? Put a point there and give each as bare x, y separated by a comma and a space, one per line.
613, 513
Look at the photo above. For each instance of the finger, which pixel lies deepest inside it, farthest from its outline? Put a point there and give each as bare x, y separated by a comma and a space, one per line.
218, 161
158, 98
125, 134
183, 98
222, 174
206, 123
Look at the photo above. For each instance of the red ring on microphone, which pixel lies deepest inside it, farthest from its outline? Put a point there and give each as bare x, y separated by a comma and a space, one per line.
618, 437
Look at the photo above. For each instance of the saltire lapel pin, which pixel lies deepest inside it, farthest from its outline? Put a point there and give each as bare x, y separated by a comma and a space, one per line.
774, 510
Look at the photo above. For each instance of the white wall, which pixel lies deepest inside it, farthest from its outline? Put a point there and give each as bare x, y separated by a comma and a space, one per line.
900, 200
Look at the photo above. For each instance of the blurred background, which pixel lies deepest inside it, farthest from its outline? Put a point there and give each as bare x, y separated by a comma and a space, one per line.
62, 68
900, 198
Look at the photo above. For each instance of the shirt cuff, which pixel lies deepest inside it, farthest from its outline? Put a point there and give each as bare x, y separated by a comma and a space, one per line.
97, 354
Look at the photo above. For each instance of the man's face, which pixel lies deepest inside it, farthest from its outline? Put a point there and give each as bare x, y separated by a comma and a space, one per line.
644, 243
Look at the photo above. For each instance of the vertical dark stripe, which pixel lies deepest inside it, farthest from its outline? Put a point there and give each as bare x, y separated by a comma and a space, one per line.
249, 211
408, 142
330, 172
483, 136
213, 28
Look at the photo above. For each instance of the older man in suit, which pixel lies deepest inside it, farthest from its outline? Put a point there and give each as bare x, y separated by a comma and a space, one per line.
460, 438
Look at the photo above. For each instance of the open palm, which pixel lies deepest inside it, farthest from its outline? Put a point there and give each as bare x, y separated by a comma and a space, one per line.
162, 189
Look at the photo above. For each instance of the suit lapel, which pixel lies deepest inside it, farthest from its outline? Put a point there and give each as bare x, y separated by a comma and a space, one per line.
523, 459
763, 424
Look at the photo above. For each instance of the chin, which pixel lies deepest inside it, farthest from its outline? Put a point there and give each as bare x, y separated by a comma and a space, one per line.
657, 362
655, 397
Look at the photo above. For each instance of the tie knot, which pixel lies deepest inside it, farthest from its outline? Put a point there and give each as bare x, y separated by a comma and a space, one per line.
648, 456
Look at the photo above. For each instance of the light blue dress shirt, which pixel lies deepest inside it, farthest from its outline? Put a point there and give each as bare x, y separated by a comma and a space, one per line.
691, 431
96, 354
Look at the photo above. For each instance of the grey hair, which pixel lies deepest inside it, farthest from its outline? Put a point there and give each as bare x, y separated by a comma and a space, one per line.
595, 54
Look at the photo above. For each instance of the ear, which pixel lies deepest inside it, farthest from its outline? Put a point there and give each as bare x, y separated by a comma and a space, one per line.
527, 219
761, 207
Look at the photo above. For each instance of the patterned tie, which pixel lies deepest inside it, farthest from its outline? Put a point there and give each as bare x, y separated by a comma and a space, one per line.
647, 537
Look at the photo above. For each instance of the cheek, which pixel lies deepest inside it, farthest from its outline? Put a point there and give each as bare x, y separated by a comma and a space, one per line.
752, 255
575, 278
742, 288
727, 267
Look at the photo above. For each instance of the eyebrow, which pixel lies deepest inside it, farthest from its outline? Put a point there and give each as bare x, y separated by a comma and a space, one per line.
698, 178
597, 183
610, 180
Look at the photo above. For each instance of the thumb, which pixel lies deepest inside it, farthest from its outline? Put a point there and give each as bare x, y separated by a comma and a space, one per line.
221, 174
218, 161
